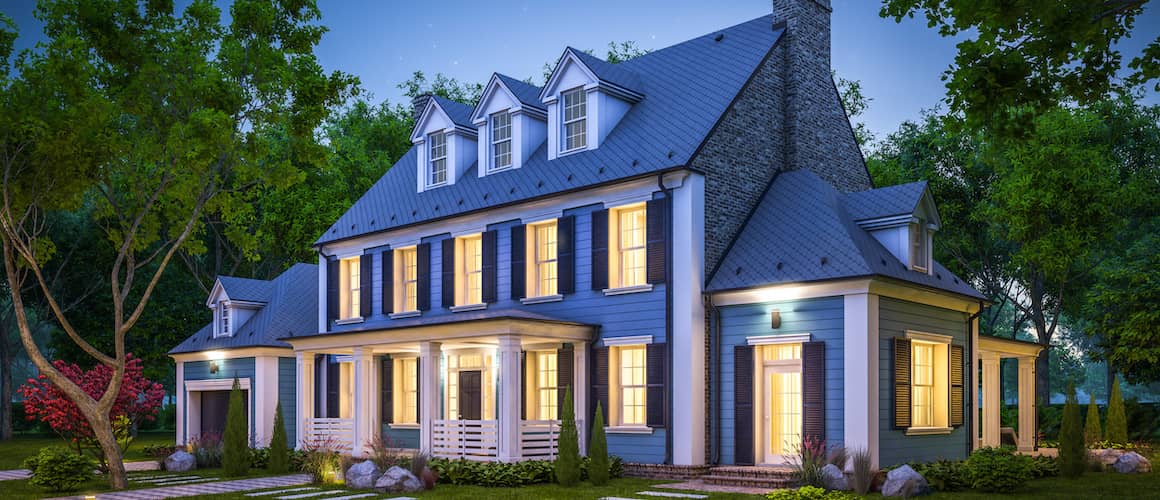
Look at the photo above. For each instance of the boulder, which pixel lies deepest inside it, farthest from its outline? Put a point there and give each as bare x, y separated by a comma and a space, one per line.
180, 461
1105, 458
1131, 463
398, 480
905, 482
834, 478
362, 476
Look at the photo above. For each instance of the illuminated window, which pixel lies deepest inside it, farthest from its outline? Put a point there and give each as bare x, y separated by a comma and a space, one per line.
437, 159
406, 280
629, 382
406, 391
929, 384
546, 385
470, 270
350, 281
628, 237
543, 277
501, 140
575, 119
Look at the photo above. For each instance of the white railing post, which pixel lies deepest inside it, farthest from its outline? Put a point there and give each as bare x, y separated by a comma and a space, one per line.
305, 397
580, 392
429, 357
364, 397
509, 398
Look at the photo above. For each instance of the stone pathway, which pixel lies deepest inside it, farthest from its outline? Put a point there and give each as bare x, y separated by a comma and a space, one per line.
203, 488
9, 475
699, 485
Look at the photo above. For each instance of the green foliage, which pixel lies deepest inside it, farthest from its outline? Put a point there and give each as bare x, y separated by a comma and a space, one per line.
1117, 420
236, 447
1121, 306
808, 460
1091, 430
59, 469
568, 453
206, 450
323, 462
808, 493
863, 471
494, 474
598, 450
1044, 466
997, 470
259, 458
1073, 455
945, 475
855, 102
279, 452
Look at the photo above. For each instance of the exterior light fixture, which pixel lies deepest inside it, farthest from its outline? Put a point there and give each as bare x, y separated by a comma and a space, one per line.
775, 319
213, 366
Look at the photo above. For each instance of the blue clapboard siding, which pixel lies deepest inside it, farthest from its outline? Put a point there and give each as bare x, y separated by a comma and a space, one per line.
638, 448
821, 318
401, 438
287, 397
895, 318
227, 369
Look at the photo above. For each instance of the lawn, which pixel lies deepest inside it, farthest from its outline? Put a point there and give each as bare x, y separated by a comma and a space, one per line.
13, 453
20, 489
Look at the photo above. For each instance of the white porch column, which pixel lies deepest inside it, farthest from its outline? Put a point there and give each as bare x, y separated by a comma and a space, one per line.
580, 393
860, 379
364, 412
991, 398
265, 398
305, 397
429, 357
973, 393
687, 366
1027, 404
179, 389
509, 398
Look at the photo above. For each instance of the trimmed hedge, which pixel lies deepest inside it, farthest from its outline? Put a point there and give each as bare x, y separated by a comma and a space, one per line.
509, 474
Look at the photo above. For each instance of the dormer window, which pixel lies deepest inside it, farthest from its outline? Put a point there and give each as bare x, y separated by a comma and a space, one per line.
919, 247
437, 162
575, 120
223, 321
501, 140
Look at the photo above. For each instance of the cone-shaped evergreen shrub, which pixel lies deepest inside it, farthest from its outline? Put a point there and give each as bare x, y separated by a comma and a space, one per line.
1117, 419
568, 454
1072, 451
235, 445
598, 450
279, 453
1091, 429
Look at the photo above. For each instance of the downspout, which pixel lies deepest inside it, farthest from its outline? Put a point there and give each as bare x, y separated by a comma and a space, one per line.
971, 429
715, 358
668, 317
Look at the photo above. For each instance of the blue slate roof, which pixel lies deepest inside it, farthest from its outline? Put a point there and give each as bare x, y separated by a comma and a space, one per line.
463, 317
246, 289
619, 75
696, 80
889, 201
291, 309
526, 93
802, 231
459, 113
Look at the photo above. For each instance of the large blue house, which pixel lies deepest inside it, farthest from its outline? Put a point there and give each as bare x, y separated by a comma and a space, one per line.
688, 241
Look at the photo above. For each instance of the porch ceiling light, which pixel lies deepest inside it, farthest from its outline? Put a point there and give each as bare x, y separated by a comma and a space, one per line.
213, 366
775, 319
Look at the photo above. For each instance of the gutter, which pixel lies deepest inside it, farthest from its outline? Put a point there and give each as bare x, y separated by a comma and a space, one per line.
969, 402
715, 370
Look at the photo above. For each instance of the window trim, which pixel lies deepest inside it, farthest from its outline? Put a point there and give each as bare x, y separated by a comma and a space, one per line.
616, 408
492, 164
532, 260
223, 320
463, 275
582, 103
616, 251
401, 282
534, 397
429, 174
400, 391
919, 246
940, 371
349, 290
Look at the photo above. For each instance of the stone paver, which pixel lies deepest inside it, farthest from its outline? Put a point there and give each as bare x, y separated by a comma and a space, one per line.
211, 488
309, 495
668, 494
277, 492
352, 497
699, 485
9, 475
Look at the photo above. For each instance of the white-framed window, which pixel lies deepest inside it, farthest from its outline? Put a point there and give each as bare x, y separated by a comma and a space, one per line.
501, 140
406, 280
469, 279
349, 282
543, 271
406, 391
929, 381
919, 249
628, 246
543, 372
223, 320
627, 380
469, 360
575, 109
436, 158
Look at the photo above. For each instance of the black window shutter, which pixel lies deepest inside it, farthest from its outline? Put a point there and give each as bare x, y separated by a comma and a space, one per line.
743, 405
901, 376
423, 274
656, 214
366, 270
957, 369
600, 249
331, 288
518, 260
319, 386
448, 272
524, 385
331, 387
490, 249
387, 389
600, 382
419, 390
814, 390
564, 375
656, 367
566, 254
388, 271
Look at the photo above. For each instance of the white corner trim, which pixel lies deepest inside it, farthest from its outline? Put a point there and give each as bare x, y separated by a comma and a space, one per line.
221, 384
633, 340
928, 431
541, 299
405, 314
633, 429
647, 287
929, 337
469, 307
797, 338
349, 321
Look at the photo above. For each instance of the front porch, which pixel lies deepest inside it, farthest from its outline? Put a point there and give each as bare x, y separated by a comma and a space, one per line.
487, 390
991, 351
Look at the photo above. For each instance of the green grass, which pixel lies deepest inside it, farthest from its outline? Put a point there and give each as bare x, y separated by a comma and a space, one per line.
20, 489
13, 453
1089, 486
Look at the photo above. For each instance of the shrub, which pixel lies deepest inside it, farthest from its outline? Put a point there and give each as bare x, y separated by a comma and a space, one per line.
159, 452
59, 469
323, 462
1091, 430
862, 479
997, 470
808, 462
386, 453
1073, 456
944, 475
568, 453
1044, 466
259, 458
279, 452
236, 449
206, 450
1117, 419
838, 457
598, 451
808, 493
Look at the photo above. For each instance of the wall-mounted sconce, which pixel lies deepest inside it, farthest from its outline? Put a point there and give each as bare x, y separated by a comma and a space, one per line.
213, 366
775, 319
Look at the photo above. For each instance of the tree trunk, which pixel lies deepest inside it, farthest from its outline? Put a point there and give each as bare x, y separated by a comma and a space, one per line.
1043, 377
5, 385
103, 431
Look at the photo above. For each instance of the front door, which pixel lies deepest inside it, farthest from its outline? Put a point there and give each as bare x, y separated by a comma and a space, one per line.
782, 409
215, 405
470, 395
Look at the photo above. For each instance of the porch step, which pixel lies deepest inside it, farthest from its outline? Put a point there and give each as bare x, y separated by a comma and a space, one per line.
754, 477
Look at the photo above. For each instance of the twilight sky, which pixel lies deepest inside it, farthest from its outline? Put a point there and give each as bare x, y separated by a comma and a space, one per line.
899, 64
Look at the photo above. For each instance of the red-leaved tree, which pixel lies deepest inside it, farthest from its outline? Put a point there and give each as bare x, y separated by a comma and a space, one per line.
138, 400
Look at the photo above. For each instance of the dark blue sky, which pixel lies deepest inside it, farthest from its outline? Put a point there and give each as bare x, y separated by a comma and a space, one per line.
899, 64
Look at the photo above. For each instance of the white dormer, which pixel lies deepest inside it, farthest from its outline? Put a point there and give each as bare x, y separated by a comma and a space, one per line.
509, 128
229, 314
585, 99
909, 236
445, 144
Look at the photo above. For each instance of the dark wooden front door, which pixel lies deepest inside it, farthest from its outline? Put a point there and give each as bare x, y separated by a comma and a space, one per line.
215, 405
470, 395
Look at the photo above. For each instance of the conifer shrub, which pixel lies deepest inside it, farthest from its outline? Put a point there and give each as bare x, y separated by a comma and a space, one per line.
1091, 430
598, 450
1073, 456
59, 469
1117, 418
568, 456
279, 450
236, 449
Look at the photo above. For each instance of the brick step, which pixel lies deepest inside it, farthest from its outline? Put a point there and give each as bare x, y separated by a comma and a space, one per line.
770, 482
758, 472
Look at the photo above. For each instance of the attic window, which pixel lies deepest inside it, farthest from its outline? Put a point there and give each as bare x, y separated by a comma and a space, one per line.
223, 329
575, 120
501, 140
437, 159
919, 246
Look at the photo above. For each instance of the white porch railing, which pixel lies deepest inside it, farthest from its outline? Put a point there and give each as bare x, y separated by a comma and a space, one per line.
470, 439
336, 433
539, 438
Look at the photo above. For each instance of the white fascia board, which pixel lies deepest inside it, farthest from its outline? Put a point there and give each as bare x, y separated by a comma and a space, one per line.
566, 59
631, 340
